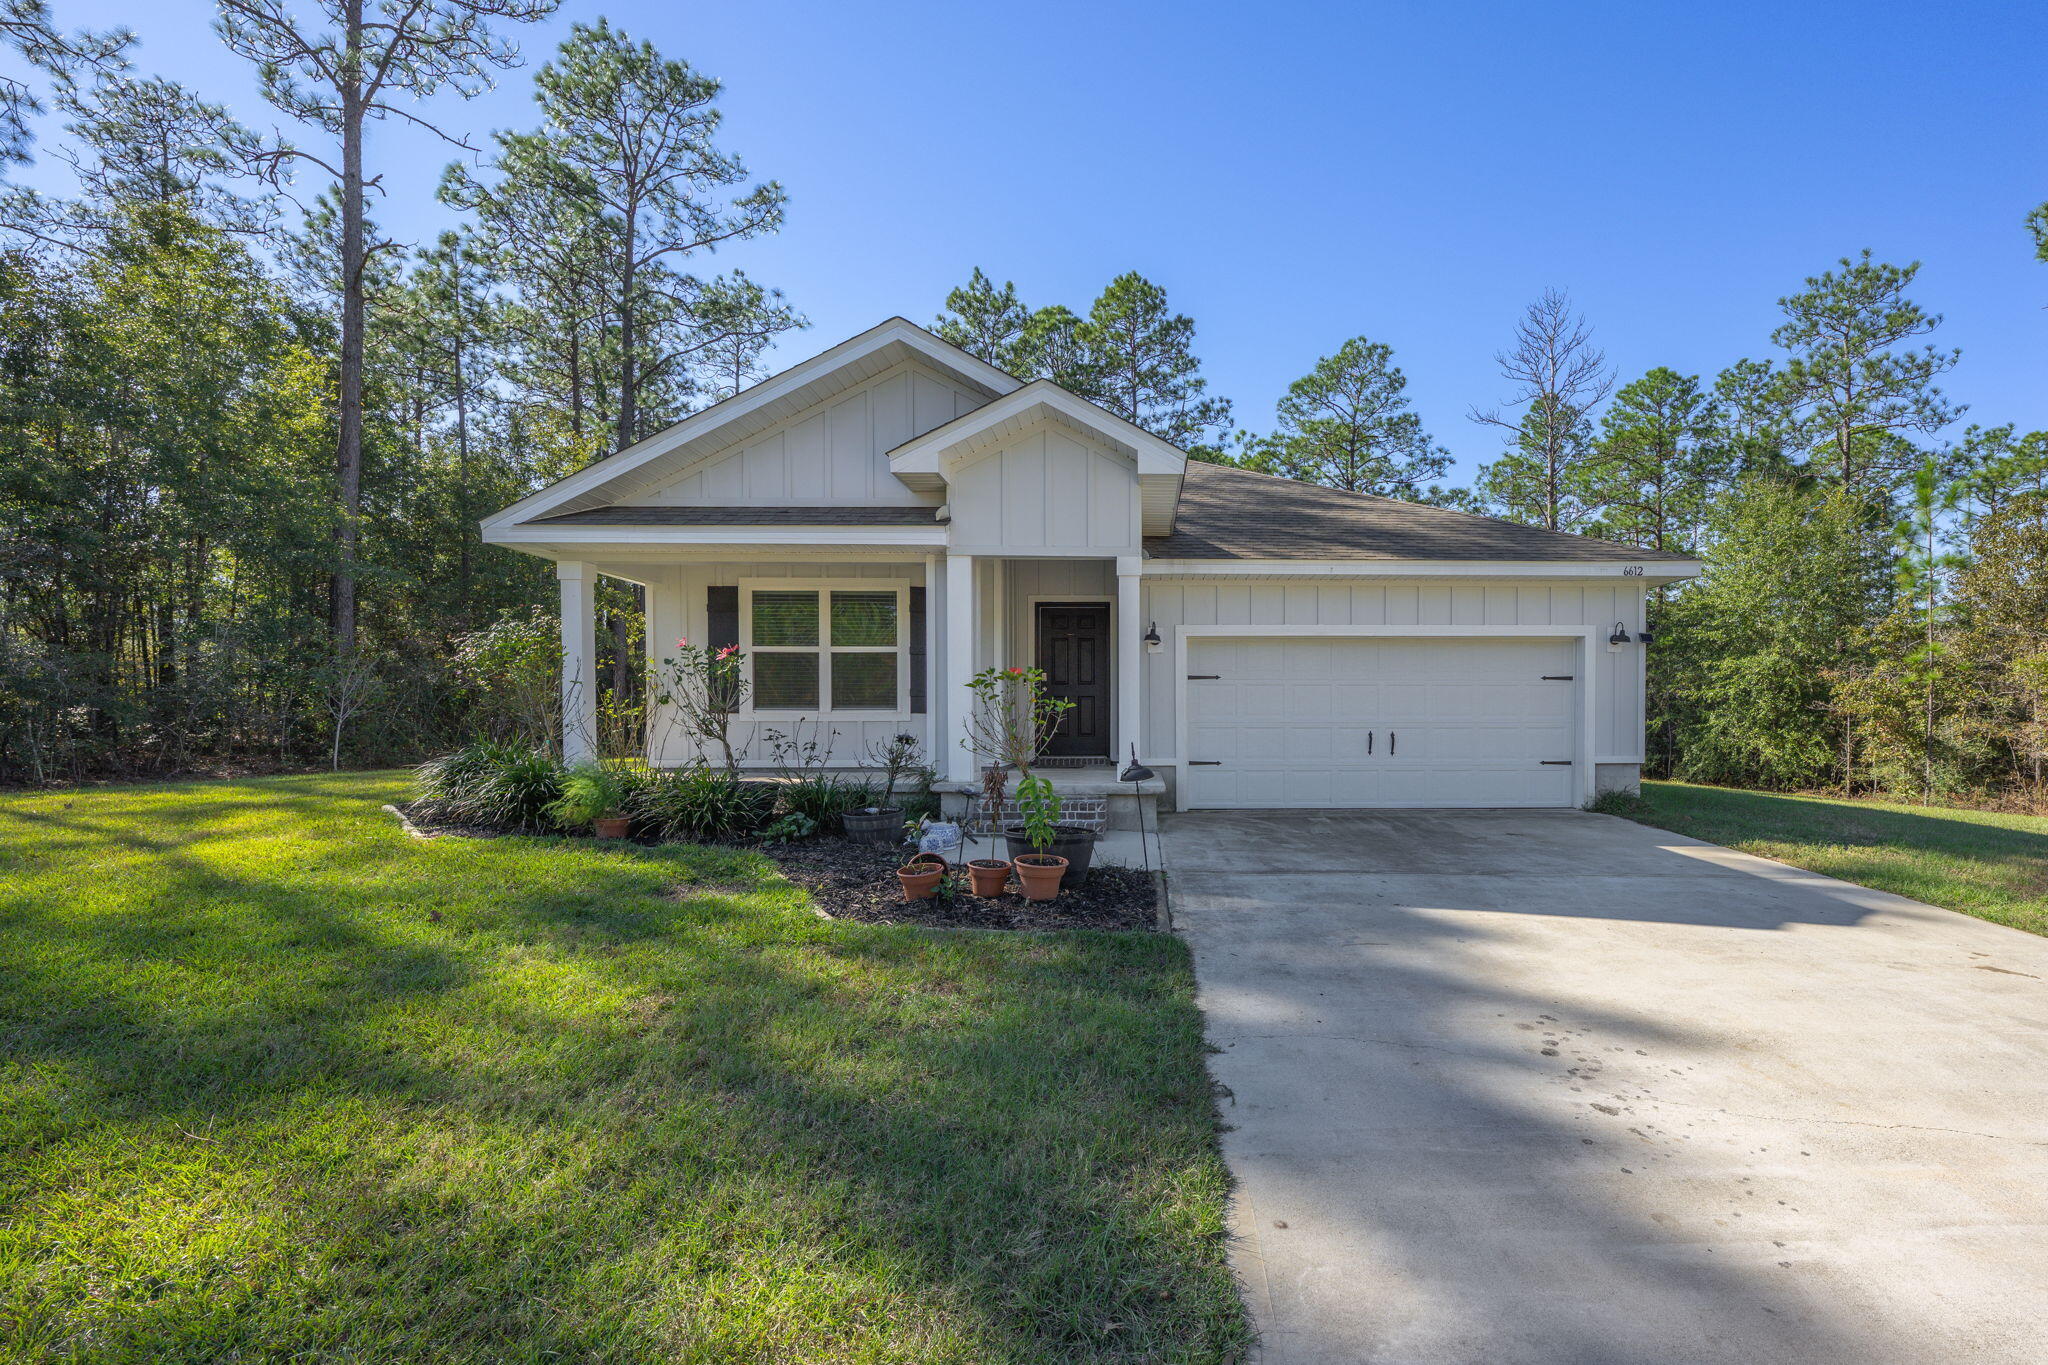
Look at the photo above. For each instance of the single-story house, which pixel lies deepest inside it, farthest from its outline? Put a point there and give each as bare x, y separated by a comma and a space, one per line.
874, 525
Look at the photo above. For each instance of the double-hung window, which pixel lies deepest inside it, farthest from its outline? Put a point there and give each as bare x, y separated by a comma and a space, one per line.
827, 647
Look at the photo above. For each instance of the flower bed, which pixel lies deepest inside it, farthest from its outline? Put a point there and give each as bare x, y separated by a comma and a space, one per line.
858, 882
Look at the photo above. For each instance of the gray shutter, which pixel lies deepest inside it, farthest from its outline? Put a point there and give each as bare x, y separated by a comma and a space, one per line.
917, 661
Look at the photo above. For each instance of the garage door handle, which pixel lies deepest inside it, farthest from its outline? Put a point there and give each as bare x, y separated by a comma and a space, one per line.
1205, 677
1555, 762
1205, 763
1391, 738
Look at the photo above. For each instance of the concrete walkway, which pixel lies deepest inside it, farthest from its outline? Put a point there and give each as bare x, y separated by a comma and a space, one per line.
1555, 1087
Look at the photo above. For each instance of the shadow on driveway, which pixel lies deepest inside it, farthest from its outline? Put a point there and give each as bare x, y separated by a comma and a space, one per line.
1556, 1087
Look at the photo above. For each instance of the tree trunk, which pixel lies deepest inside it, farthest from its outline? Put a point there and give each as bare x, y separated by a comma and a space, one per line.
629, 317
348, 460
464, 559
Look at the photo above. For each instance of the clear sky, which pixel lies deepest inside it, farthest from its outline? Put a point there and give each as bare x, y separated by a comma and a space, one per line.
1297, 174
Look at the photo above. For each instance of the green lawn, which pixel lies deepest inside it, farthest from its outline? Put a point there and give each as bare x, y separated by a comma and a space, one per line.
279, 1082
1982, 863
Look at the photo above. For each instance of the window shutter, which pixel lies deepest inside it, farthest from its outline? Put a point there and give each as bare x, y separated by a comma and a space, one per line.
721, 618
917, 662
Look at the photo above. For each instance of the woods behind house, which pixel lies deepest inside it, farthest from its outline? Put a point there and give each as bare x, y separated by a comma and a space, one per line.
246, 436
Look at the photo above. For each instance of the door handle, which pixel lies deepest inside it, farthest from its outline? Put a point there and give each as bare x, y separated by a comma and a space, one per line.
1368, 741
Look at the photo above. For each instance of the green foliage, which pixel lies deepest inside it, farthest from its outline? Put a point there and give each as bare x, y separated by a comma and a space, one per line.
822, 798
590, 792
498, 785
1793, 575
1852, 386
706, 805
1658, 462
1346, 424
1039, 804
514, 666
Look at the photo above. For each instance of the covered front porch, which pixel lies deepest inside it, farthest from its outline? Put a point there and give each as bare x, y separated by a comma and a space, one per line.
854, 648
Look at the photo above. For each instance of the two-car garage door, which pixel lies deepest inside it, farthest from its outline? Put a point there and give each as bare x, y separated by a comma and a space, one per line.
1339, 721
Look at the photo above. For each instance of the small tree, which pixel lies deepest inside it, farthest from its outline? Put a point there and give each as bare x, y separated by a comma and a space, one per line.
706, 688
1012, 722
515, 664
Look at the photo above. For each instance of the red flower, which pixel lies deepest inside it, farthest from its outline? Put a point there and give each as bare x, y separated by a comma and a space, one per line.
726, 652
682, 644
1016, 672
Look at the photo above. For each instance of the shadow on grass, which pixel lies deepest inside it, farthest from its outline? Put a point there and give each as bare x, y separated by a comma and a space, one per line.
509, 1100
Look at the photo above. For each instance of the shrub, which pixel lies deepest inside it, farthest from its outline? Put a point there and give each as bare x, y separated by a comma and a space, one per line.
503, 786
590, 792
822, 799
700, 805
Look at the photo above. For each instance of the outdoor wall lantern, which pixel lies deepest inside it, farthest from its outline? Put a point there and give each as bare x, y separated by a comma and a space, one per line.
1620, 636
1152, 637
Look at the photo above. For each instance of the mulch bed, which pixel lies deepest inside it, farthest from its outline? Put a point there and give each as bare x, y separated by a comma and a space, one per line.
858, 882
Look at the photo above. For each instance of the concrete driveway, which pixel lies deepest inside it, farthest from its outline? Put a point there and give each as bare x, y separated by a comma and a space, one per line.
1556, 1087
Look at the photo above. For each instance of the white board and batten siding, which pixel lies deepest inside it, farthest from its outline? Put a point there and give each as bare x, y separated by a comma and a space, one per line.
1471, 706
678, 601
1045, 490
836, 454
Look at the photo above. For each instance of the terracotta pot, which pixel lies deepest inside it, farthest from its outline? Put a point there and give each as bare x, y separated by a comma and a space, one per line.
1040, 874
612, 826
989, 875
921, 876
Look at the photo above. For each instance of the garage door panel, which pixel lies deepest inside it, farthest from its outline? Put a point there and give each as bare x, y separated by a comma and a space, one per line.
1345, 722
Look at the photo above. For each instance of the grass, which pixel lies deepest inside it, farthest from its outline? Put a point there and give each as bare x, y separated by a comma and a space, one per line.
1982, 863
278, 1082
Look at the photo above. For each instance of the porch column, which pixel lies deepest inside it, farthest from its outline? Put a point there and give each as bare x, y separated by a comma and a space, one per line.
579, 659
959, 762
1130, 628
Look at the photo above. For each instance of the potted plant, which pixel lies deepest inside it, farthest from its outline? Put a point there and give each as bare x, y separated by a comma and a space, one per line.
878, 824
1039, 871
988, 875
593, 795
921, 875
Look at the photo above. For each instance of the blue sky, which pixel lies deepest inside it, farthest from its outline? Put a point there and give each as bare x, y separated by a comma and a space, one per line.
1295, 175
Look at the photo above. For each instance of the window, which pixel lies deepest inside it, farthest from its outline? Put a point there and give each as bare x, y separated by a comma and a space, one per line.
826, 648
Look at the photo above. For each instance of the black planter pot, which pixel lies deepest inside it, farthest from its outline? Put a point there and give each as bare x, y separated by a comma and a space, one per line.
1075, 844
873, 826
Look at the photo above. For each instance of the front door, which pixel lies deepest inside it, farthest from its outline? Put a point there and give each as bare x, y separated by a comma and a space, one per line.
1073, 649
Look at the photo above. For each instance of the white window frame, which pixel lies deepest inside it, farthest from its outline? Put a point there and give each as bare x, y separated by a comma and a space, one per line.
825, 649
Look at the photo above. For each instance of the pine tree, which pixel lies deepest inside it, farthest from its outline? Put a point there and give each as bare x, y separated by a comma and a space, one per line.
1657, 464
1137, 360
1856, 391
988, 323
1346, 424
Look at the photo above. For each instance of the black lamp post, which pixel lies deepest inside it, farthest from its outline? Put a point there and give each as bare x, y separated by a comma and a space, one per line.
1135, 772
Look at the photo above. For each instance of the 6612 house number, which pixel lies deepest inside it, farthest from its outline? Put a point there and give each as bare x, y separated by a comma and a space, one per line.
1631, 571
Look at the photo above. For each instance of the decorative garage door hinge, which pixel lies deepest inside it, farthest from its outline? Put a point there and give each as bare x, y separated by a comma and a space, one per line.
1557, 677
1205, 763
1555, 762
1205, 677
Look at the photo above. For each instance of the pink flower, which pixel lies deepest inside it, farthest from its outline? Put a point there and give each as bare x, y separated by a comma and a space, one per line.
1016, 672
727, 652
682, 644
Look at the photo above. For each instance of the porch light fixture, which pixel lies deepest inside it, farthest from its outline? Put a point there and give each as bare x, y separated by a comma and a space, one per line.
1152, 644
1620, 636
1644, 636
1135, 772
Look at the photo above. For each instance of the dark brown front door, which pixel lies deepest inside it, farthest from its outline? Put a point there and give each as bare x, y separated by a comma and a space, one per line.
1073, 649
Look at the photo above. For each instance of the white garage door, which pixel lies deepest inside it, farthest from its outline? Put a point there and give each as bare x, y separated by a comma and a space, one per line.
1329, 722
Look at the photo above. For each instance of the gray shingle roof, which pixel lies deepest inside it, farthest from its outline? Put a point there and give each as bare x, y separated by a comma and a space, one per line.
1227, 513
744, 516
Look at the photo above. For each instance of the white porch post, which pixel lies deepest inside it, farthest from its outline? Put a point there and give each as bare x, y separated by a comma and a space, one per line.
1130, 627
959, 763
579, 659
